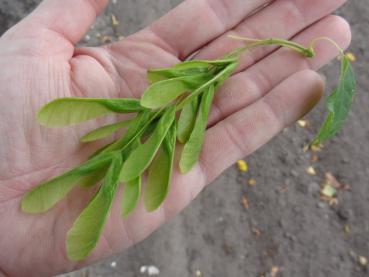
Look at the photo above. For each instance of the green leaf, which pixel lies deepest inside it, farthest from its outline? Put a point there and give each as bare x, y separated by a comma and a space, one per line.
192, 148
187, 120
338, 103
132, 189
164, 92
131, 196
157, 75
141, 157
105, 131
135, 130
216, 81
138, 126
160, 172
187, 68
149, 129
86, 230
225, 74
93, 178
69, 111
47, 194
205, 63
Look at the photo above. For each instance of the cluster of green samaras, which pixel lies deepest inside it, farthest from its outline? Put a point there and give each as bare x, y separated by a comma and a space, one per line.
174, 107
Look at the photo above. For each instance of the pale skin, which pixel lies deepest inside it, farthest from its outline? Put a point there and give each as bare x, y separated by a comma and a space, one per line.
39, 61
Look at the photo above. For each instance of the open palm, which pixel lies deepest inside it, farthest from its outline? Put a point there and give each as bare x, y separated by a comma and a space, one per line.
273, 88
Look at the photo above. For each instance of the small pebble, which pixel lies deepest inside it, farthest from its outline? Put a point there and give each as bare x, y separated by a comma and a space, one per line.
274, 271
283, 159
347, 229
252, 182
303, 123
290, 237
363, 261
219, 219
343, 214
311, 170
294, 173
198, 273
151, 270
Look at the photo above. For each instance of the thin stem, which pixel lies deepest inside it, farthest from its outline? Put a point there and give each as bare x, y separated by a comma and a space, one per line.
313, 44
307, 52
244, 38
237, 52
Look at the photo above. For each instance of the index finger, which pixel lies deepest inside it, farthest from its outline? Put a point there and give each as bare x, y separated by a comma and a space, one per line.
196, 22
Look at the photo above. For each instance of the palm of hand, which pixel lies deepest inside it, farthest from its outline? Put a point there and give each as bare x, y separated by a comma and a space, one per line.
41, 66
86, 74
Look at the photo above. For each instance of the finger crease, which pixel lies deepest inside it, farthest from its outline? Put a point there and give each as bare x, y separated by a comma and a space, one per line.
297, 10
217, 111
232, 133
262, 83
109, 246
221, 12
204, 175
272, 114
162, 44
131, 240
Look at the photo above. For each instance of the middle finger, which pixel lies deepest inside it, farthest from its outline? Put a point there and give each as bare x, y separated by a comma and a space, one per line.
282, 19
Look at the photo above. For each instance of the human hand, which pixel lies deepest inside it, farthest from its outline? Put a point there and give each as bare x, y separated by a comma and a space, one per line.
40, 63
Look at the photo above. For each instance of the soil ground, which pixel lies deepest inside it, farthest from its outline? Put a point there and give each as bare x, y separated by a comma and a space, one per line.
287, 229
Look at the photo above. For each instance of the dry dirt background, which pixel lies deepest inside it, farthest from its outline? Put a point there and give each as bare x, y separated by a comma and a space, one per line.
287, 229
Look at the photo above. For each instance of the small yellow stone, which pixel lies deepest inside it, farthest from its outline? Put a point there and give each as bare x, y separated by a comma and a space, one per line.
242, 166
114, 21
351, 56
252, 182
363, 261
303, 123
311, 170
347, 229
316, 148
